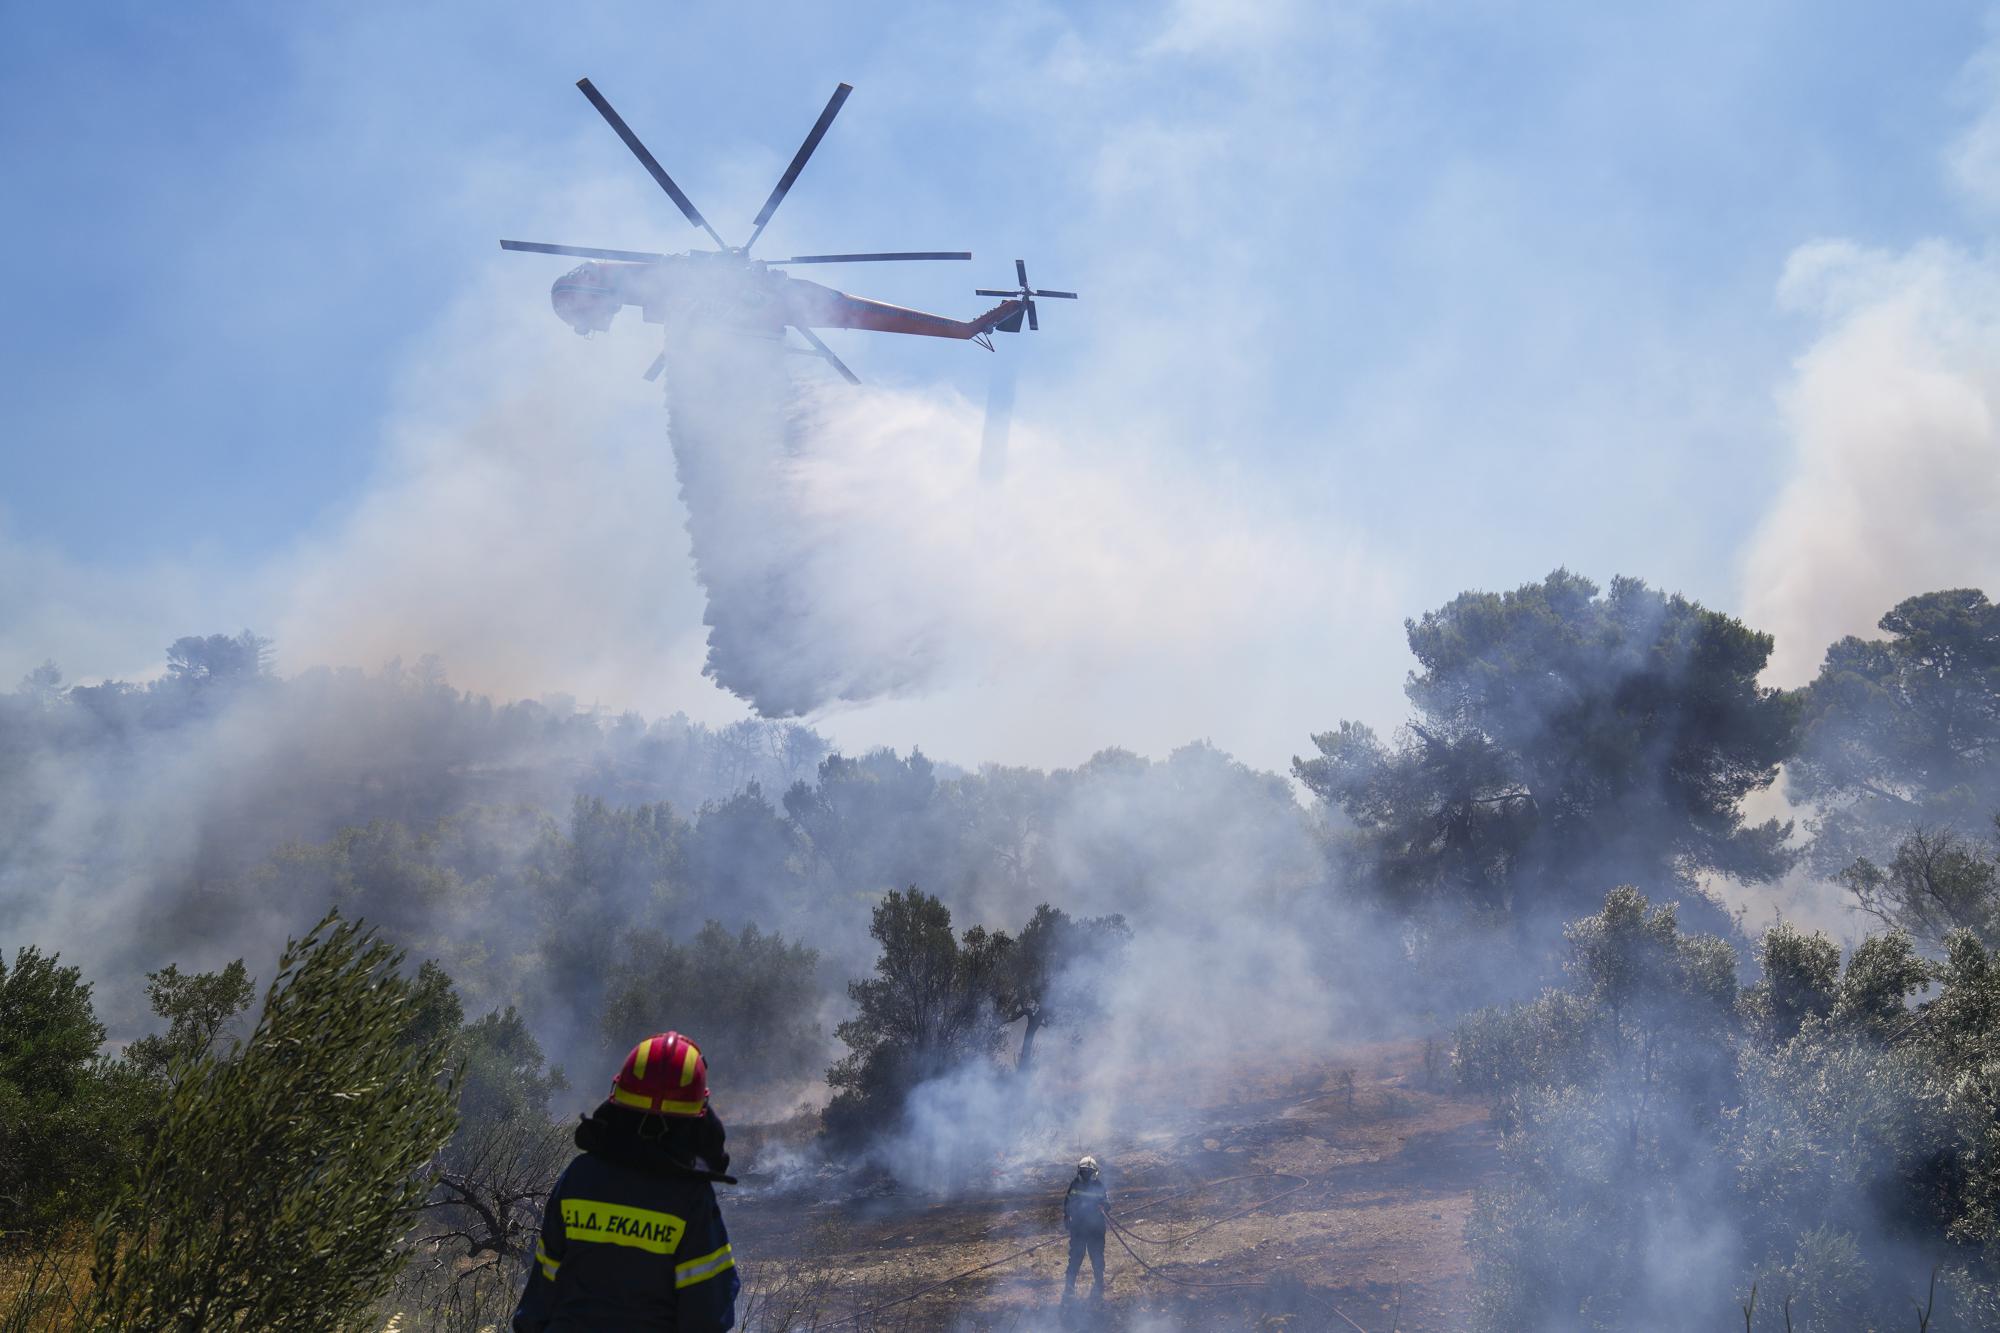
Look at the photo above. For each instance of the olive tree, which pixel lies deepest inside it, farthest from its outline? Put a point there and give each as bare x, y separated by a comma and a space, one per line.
284, 1176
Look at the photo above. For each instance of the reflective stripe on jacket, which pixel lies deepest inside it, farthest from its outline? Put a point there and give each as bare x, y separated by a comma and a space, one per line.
624, 1248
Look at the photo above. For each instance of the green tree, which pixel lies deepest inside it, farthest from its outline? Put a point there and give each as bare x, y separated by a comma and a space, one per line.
1614, 1088
43, 687
614, 866
1957, 1180
1832, 1144
1859, 1140
50, 1030
493, 1176
1801, 981
197, 1006
1054, 972
866, 821
504, 1074
1564, 740
283, 1178
1903, 730
218, 659
436, 1012
750, 998
58, 1151
743, 851
927, 1009
1937, 882
630, 854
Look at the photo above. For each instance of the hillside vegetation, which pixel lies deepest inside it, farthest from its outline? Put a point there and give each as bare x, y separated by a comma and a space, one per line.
915, 981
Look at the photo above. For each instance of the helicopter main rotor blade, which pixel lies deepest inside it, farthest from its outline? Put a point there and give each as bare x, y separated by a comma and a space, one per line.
647, 160
585, 252
988, 291
827, 352
1067, 296
1021, 272
784, 184
873, 259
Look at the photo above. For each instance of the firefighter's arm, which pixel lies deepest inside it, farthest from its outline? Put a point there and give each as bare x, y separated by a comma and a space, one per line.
539, 1297
705, 1281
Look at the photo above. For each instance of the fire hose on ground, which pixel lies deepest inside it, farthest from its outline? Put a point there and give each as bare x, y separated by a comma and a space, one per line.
1121, 1231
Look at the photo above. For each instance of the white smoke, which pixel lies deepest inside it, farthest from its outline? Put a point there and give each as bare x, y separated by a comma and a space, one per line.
535, 548
1895, 485
848, 547
524, 523
1103, 562
1240, 953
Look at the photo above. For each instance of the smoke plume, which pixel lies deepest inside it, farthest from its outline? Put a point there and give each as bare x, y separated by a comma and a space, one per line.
1896, 479
851, 549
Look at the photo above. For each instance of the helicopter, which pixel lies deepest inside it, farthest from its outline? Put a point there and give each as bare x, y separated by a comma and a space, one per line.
726, 287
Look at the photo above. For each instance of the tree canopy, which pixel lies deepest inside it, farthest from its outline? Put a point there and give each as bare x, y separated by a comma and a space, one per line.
1831, 1142
1937, 882
1564, 740
197, 1006
928, 1007
1055, 971
53, 1090
1904, 730
283, 1177
750, 998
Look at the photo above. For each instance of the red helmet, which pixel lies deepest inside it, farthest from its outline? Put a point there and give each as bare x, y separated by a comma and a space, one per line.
665, 1075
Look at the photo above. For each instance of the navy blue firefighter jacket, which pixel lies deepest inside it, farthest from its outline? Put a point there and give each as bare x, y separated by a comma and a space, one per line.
1084, 1205
631, 1239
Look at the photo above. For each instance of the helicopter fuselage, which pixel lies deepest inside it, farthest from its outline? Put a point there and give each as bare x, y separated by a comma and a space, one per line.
742, 295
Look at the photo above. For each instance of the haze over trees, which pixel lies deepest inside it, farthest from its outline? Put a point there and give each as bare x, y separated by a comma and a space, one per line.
1563, 740
1673, 1139
1903, 732
753, 996
1937, 882
913, 939
1054, 973
926, 1011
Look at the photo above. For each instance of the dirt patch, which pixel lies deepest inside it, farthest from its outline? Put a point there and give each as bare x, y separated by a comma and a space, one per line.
1331, 1197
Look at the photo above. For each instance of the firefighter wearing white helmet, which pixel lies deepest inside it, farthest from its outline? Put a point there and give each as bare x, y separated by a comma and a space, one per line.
1085, 1208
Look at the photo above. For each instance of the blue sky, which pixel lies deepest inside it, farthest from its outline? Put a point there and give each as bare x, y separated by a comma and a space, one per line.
1459, 291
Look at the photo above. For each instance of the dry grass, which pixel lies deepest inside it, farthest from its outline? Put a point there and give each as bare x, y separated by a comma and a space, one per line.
1392, 1164
42, 1286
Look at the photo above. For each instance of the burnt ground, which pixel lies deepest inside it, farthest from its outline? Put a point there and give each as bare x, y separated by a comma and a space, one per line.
1370, 1184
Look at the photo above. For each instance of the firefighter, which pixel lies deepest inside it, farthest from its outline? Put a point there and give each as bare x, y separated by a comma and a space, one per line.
632, 1237
1084, 1216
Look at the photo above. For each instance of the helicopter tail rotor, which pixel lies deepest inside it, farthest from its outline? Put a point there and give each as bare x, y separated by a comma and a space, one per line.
1026, 295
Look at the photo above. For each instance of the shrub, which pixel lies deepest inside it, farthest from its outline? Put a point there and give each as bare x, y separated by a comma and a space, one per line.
750, 998
927, 1008
61, 1140
284, 1177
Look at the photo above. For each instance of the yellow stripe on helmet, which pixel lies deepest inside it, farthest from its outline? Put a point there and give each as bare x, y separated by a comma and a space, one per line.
687, 1063
659, 1104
